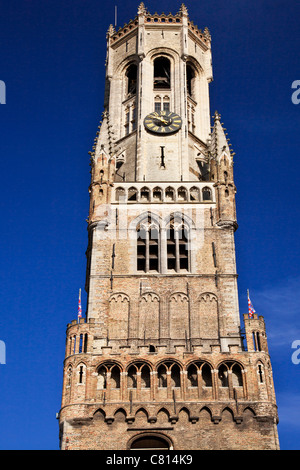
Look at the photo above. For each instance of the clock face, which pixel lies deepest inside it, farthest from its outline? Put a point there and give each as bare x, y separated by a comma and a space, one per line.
162, 122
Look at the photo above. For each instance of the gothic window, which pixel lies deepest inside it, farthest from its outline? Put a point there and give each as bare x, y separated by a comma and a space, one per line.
145, 195
109, 375
177, 245
166, 103
141, 250
256, 341
145, 376
168, 375
206, 375
115, 377
194, 194
161, 103
162, 73
157, 195
132, 377
148, 236
223, 375
162, 376
132, 194
203, 168
237, 379
102, 378
260, 373
192, 375
181, 194
138, 376
206, 194
127, 120
171, 249
157, 104
131, 75
120, 194
80, 343
169, 194
175, 376
190, 79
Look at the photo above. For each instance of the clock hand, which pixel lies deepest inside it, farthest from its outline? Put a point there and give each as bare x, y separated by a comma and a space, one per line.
162, 119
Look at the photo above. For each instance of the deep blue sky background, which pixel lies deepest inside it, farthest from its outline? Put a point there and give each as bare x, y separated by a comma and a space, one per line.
52, 61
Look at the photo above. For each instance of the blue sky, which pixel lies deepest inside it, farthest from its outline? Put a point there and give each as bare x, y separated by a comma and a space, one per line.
52, 62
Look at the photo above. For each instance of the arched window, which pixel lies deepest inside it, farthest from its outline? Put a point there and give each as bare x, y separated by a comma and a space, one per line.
120, 194
131, 75
177, 245
115, 377
150, 442
145, 376
145, 195
206, 194
190, 78
223, 376
194, 194
206, 375
162, 73
162, 376
132, 194
157, 195
181, 194
109, 375
237, 379
175, 376
102, 378
132, 377
148, 236
260, 373
169, 194
192, 375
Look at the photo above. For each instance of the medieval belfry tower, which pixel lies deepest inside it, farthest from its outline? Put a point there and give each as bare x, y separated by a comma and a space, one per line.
161, 360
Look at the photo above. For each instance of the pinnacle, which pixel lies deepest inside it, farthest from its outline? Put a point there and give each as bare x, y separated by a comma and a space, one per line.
219, 141
142, 9
183, 9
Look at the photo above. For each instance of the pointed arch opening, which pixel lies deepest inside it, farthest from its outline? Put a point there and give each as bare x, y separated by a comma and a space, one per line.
162, 73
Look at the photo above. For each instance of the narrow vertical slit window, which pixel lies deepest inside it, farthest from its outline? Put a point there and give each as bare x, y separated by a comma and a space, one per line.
80, 343
153, 249
141, 250
80, 374
171, 248
85, 343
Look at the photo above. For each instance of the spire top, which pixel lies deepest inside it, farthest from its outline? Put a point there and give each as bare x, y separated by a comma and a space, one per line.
142, 9
183, 9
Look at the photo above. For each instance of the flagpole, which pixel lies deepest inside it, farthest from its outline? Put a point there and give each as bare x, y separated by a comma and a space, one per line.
79, 314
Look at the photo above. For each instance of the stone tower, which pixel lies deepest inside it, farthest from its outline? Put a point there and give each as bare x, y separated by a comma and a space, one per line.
161, 361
